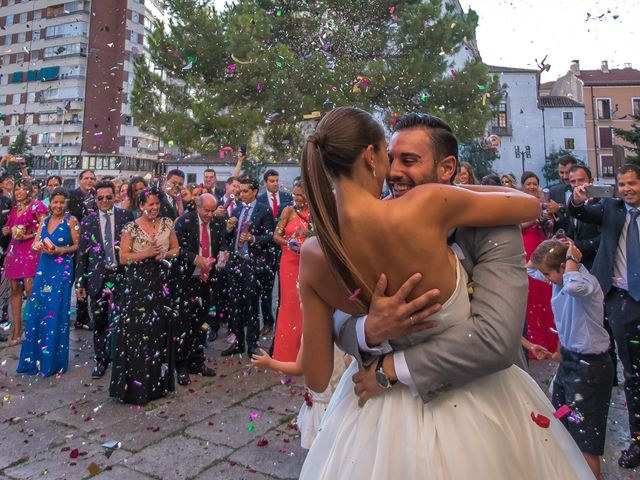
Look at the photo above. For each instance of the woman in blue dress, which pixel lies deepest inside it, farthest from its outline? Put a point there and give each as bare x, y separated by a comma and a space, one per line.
45, 350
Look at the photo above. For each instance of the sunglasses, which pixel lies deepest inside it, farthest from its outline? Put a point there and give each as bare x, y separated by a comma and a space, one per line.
104, 197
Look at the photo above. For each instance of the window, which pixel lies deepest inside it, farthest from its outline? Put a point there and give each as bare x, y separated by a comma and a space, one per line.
3, 99
35, 35
67, 30
569, 144
606, 166
135, 17
6, 59
9, 21
22, 37
28, 119
19, 57
7, 39
567, 119
16, 99
605, 135
635, 107
128, 141
31, 97
191, 178
23, 17
37, 15
134, 37
603, 107
4, 79
64, 50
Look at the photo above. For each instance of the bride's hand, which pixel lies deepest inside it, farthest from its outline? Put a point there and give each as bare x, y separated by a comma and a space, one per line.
365, 384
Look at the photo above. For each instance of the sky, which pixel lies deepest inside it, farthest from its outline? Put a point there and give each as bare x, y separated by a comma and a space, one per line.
514, 33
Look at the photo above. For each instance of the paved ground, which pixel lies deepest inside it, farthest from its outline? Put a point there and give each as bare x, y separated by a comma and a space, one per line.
238, 425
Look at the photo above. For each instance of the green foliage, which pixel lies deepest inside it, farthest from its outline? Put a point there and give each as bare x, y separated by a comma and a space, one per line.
20, 147
249, 73
481, 159
550, 168
633, 137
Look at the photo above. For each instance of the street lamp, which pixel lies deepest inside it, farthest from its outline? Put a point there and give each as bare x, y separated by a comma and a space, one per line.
523, 154
47, 157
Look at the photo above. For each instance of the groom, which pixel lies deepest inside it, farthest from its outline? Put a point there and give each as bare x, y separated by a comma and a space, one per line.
423, 150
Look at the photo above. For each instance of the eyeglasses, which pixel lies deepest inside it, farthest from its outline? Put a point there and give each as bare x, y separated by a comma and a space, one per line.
104, 197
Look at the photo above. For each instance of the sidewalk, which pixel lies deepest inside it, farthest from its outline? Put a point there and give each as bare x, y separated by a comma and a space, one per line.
237, 425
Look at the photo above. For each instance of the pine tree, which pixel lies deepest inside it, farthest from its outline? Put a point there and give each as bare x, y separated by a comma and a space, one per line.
251, 72
633, 137
21, 147
550, 167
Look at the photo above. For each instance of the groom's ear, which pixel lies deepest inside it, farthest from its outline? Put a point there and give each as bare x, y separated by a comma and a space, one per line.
447, 169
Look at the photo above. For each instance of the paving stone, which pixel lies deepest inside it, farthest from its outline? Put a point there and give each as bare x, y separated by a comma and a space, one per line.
231, 471
90, 415
22, 440
192, 407
177, 457
121, 473
284, 399
57, 462
230, 427
277, 458
136, 432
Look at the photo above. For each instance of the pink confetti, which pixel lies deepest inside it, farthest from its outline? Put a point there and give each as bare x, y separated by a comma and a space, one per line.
354, 296
562, 412
263, 442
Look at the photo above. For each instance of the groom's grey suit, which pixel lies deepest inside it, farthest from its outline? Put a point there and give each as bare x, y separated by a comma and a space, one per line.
490, 341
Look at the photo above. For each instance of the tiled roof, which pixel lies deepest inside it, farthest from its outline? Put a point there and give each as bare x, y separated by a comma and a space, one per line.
551, 101
498, 69
615, 76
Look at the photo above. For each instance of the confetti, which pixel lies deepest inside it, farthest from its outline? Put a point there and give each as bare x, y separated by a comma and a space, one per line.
540, 420
354, 296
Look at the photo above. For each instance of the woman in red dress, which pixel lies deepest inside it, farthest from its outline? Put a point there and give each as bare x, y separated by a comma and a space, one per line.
541, 328
292, 230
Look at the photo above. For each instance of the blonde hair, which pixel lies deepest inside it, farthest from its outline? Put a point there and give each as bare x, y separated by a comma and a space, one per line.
330, 153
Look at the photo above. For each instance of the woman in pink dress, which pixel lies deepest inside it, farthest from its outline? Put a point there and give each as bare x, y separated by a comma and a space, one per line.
541, 328
21, 261
292, 230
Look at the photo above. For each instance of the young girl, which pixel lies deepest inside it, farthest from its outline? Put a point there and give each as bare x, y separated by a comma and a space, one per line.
315, 404
585, 375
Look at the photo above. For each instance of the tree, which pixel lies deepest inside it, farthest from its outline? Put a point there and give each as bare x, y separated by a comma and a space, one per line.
251, 72
21, 147
550, 168
633, 137
480, 158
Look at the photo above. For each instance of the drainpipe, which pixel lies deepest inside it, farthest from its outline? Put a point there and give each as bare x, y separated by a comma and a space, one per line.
544, 136
595, 138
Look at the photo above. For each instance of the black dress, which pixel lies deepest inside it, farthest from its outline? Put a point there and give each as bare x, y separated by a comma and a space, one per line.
143, 362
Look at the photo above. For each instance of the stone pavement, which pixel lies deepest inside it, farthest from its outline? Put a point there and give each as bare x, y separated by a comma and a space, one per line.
237, 425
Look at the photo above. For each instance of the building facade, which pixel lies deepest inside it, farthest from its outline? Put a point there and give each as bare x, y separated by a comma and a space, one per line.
519, 123
564, 126
610, 97
66, 78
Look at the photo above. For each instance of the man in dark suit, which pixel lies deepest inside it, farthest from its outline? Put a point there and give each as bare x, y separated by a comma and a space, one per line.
559, 193
251, 231
201, 236
617, 268
275, 201
98, 271
171, 205
586, 236
80, 204
226, 206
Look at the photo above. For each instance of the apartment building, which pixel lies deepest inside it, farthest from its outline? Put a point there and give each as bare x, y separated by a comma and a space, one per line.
66, 75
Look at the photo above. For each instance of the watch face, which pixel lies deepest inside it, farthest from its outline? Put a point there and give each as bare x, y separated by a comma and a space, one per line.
382, 379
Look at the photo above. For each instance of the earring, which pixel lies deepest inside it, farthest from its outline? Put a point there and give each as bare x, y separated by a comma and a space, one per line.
374, 172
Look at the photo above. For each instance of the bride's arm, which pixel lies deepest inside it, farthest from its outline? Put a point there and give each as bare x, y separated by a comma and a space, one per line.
461, 207
317, 329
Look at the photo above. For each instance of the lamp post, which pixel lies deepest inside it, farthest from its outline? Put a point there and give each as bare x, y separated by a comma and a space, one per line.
61, 111
523, 154
47, 157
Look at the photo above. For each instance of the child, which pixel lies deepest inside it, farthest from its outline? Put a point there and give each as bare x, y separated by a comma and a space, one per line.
585, 376
315, 404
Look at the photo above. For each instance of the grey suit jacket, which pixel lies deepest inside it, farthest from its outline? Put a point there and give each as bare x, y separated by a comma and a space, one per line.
490, 340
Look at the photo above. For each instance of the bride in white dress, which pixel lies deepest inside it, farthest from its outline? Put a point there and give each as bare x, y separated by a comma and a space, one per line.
493, 428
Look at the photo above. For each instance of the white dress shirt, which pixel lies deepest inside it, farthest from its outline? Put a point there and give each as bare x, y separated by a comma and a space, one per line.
103, 221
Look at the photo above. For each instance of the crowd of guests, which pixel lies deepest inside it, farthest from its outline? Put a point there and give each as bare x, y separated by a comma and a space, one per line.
156, 269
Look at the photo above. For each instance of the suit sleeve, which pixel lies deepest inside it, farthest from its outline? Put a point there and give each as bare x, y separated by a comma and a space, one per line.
489, 341
84, 245
587, 213
183, 241
265, 234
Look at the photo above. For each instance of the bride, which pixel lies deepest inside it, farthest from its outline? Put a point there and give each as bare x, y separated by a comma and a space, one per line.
497, 427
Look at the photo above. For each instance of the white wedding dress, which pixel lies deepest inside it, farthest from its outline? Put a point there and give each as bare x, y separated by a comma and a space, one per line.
482, 430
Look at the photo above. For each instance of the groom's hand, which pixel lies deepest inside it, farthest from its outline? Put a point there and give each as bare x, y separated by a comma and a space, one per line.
365, 384
393, 317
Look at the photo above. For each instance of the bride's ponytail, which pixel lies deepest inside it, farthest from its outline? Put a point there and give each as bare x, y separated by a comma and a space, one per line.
330, 152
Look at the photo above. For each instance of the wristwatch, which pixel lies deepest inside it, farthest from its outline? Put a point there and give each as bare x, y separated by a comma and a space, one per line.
571, 257
381, 377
